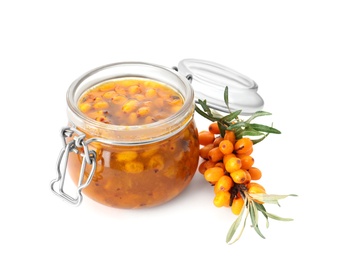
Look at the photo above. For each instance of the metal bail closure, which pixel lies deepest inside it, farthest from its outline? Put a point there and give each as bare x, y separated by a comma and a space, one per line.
89, 156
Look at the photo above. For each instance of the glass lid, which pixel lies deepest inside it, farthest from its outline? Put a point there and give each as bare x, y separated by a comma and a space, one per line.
209, 80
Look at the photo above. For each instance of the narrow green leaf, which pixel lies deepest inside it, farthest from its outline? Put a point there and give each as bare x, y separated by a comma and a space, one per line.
251, 133
276, 217
216, 114
238, 133
254, 217
234, 227
270, 198
257, 114
232, 116
237, 125
222, 129
226, 98
242, 229
236, 224
205, 107
226, 95
260, 139
254, 214
202, 113
260, 197
256, 228
261, 208
264, 128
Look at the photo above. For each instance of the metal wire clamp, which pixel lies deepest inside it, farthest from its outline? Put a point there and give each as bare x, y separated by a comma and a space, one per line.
89, 157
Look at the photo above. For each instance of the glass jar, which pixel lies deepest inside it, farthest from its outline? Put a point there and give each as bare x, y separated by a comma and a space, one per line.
144, 165
129, 166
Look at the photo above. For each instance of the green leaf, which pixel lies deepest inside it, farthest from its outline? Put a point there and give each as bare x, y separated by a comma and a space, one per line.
236, 224
269, 198
276, 217
254, 214
264, 128
237, 125
259, 140
216, 114
238, 133
226, 98
257, 114
202, 113
205, 107
261, 208
241, 231
251, 133
234, 227
254, 217
232, 116
222, 129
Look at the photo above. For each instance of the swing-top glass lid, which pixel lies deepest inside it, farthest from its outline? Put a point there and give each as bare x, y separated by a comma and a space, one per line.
209, 80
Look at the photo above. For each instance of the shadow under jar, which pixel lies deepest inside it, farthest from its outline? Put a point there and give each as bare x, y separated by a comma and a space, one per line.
147, 159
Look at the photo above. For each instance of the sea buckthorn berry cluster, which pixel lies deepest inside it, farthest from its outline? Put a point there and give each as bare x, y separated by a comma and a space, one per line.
228, 165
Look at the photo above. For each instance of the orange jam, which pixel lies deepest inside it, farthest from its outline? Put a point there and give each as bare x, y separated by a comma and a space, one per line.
141, 175
130, 102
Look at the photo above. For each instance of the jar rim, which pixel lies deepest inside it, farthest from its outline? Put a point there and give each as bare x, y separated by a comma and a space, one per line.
132, 134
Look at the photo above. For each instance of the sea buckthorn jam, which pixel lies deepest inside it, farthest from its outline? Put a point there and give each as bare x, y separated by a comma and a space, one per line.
130, 102
138, 175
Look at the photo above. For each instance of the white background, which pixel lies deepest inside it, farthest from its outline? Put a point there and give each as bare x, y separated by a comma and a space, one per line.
298, 52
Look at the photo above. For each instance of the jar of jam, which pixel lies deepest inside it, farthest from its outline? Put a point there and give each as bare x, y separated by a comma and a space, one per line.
132, 140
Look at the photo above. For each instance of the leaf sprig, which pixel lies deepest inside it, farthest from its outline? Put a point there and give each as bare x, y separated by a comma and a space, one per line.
253, 204
232, 121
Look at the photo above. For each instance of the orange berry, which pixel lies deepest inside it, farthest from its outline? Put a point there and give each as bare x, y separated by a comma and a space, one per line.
213, 174
203, 166
243, 145
229, 135
205, 137
233, 164
249, 152
220, 164
248, 177
247, 161
215, 154
227, 157
217, 141
255, 173
254, 187
226, 146
222, 199
225, 183
237, 205
204, 151
238, 176
214, 128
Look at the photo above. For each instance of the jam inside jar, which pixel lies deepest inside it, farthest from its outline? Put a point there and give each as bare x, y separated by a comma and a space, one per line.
146, 152
141, 175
